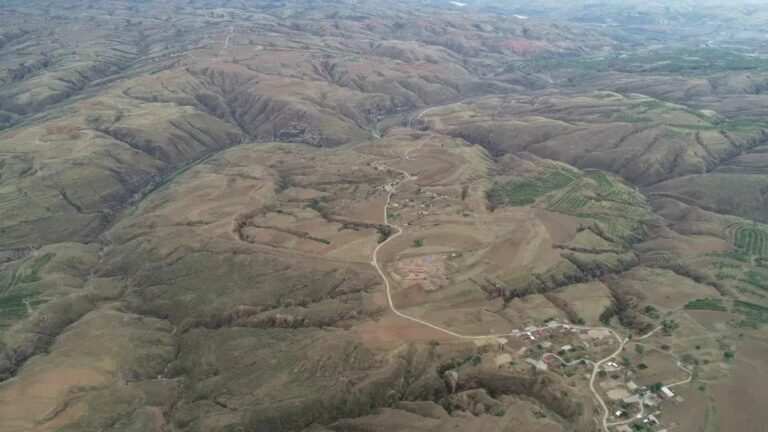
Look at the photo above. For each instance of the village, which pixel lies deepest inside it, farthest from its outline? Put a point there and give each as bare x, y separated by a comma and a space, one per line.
571, 350
629, 400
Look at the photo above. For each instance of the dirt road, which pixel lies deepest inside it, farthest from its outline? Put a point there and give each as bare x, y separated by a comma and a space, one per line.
622, 343
229, 36
398, 231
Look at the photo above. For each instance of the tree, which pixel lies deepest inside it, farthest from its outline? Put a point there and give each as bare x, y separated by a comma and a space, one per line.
418, 243
608, 313
655, 387
651, 312
668, 326
639, 349
625, 361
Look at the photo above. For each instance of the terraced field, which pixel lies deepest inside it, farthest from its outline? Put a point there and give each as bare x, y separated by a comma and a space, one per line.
754, 315
570, 202
521, 192
752, 239
598, 187
617, 208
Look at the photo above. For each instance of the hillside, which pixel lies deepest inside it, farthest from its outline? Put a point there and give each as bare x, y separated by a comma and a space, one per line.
348, 215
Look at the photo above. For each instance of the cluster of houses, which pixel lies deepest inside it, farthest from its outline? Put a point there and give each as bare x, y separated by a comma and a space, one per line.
533, 333
644, 397
634, 408
557, 338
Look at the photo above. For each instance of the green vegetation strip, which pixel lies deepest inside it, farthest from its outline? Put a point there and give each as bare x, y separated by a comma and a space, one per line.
707, 304
703, 61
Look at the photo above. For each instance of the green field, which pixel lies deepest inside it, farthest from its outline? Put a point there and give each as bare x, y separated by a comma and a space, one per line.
754, 314
596, 186
707, 304
15, 290
31, 273
621, 229
749, 238
736, 255
618, 208
522, 192
612, 189
570, 202
756, 279
13, 306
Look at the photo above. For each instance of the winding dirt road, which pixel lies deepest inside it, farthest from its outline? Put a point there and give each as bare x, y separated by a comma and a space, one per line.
229, 36
398, 231
622, 343
596, 369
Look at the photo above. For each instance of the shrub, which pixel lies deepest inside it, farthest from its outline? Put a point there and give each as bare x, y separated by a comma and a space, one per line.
498, 411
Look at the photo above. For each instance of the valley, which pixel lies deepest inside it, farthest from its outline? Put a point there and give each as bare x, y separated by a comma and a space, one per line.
350, 216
